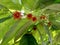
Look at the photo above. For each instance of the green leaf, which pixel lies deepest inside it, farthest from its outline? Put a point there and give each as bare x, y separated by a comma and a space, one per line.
43, 43
57, 37
54, 21
54, 6
3, 8
4, 19
35, 4
45, 3
23, 30
10, 34
5, 26
13, 31
48, 32
55, 26
40, 31
11, 5
4, 11
57, 1
28, 39
31, 5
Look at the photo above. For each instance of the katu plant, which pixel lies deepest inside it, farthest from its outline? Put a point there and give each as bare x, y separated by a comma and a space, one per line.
36, 19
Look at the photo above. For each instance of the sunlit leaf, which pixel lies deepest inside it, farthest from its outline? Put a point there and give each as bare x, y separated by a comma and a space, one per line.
10, 34
41, 37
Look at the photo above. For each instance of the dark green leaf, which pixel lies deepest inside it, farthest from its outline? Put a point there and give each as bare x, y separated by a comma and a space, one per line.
28, 39
4, 19
55, 27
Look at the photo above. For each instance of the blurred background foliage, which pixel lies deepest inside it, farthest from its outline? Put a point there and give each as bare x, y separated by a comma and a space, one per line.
11, 30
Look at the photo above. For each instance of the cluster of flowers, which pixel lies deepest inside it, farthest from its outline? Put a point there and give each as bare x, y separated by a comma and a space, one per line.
18, 15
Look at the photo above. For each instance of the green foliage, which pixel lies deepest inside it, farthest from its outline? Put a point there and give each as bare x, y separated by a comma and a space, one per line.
35, 4
10, 34
4, 19
14, 31
9, 4
28, 39
23, 29
32, 4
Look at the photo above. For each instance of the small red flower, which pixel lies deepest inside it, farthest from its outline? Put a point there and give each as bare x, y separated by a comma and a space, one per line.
43, 17
34, 27
17, 15
34, 19
29, 16
49, 23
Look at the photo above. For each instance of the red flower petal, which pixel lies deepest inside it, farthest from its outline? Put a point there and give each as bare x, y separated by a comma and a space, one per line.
34, 27
29, 16
17, 15
34, 18
49, 23
43, 17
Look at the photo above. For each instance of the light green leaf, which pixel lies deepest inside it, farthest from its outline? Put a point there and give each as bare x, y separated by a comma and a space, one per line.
31, 5
10, 34
4, 11
35, 4
45, 3
13, 31
23, 30
5, 26
48, 32
39, 29
11, 5
54, 7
